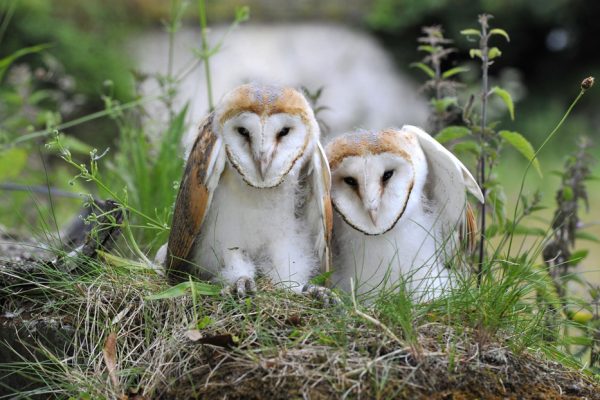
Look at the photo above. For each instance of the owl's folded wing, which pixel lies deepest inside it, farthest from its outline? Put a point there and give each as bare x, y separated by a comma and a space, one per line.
320, 213
447, 180
202, 173
448, 161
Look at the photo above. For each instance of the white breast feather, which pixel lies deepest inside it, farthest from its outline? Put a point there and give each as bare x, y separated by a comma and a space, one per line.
253, 231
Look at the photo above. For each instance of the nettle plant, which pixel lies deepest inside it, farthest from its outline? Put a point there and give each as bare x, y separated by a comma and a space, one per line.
476, 135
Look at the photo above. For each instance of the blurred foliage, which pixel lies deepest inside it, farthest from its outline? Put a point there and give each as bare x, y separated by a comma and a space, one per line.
557, 33
85, 39
55, 58
262, 10
399, 14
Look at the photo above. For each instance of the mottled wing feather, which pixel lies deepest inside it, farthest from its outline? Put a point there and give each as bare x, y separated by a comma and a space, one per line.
323, 220
435, 149
202, 170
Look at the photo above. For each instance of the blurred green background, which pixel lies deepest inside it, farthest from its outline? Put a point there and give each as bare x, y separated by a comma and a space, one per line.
88, 55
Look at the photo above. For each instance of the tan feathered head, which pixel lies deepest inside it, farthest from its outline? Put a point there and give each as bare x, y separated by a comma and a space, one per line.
266, 130
376, 176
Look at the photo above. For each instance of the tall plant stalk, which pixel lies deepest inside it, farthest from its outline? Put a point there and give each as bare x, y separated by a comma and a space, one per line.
483, 44
585, 85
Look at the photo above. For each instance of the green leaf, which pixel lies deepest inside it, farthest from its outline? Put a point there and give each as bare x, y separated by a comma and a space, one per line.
470, 32
506, 98
242, 14
452, 132
427, 48
179, 290
493, 53
453, 71
12, 162
578, 257
522, 145
567, 193
475, 52
587, 236
204, 322
502, 32
425, 68
468, 147
8, 60
182, 289
441, 105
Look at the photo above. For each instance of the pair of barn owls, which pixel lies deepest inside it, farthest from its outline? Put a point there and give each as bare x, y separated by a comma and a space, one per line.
255, 198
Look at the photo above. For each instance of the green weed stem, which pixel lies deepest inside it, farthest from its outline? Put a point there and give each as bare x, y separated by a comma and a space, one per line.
483, 44
530, 163
84, 119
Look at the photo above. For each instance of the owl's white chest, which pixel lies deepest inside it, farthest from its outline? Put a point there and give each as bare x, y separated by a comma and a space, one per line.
250, 230
411, 251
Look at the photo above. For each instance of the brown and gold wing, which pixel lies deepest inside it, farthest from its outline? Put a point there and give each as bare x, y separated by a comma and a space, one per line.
202, 172
321, 187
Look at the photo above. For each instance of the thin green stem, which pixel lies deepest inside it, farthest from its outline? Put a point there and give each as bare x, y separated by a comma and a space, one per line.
205, 51
482, 159
112, 194
133, 243
100, 114
85, 118
530, 163
8, 12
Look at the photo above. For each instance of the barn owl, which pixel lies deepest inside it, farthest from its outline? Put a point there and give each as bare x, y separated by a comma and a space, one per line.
401, 209
254, 197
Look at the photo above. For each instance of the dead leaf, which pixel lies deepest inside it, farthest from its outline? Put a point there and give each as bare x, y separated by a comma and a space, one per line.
120, 316
294, 320
110, 358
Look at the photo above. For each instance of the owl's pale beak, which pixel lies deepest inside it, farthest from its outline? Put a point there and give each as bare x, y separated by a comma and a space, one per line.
373, 215
372, 206
264, 164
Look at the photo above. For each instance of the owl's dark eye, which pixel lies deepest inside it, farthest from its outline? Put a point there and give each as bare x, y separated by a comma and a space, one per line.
243, 131
351, 181
387, 175
283, 132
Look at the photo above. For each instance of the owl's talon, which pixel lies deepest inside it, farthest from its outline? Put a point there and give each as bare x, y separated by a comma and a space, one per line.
324, 295
242, 287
